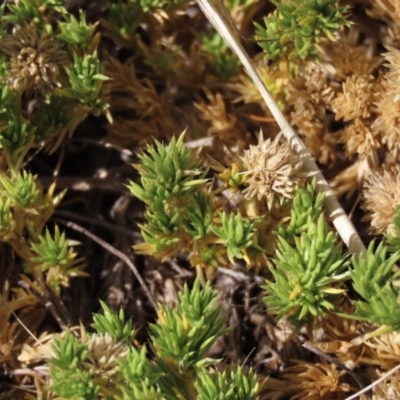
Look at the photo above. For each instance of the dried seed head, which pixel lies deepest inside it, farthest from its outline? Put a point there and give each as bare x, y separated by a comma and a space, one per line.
102, 356
273, 170
381, 197
356, 100
34, 61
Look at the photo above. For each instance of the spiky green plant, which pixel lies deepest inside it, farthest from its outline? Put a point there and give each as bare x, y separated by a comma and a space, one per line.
177, 368
375, 278
295, 28
308, 276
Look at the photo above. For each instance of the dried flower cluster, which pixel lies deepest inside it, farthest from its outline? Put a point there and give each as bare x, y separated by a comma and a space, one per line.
35, 61
381, 197
272, 170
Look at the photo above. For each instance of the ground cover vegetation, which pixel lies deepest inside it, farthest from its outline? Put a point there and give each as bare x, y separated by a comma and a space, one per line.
160, 236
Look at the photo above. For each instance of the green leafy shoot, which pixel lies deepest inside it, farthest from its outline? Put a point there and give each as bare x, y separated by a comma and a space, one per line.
224, 63
182, 336
308, 276
69, 379
113, 324
33, 10
231, 385
375, 278
86, 82
22, 189
76, 32
169, 174
294, 29
6, 218
307, 202
141, 377
237, 234
54, 254
16, 133
393, 238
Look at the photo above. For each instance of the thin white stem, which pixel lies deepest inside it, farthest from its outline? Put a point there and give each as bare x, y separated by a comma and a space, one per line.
373, 384
219, 17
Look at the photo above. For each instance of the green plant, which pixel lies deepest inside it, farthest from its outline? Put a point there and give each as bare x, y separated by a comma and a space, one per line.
295, 28
55, 255
308, 275
176, 369
223, 61
375, 278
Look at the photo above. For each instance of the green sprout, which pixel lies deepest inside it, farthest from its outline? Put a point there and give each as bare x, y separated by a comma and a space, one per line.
55, 255
76, 32
223, 61
375, 278
106, 365
22, 189
237, 234
295, 28
307, 276
114, 324
86, 82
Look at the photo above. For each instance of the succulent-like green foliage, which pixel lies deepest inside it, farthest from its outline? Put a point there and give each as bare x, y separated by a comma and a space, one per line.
179, 336
294, 29
170, 178
375, 278
6, 218
33, 10
167, 174
77, 32
237, 235
16, 132
114, 324
307, 203
232, 385
393, 239
141, 377
22, 189
69, 380
223, 61
307, 276
105, 365
54, 254
86, 81
198, 224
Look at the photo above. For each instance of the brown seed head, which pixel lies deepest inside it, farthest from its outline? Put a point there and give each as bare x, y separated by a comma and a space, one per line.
34, 61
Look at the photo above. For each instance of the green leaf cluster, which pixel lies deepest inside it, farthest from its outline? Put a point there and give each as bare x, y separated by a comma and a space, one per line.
307, 203
170, 183
375, 278
309, 265
223, 61
86, 82
176, 368
294, 29
237, 234
53, 253
180, 214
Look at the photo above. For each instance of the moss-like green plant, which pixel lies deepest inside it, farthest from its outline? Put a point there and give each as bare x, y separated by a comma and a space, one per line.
106, 365
223, 61
375, 278
237, 235
307, 203
53, 253
308, 275
294, 29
